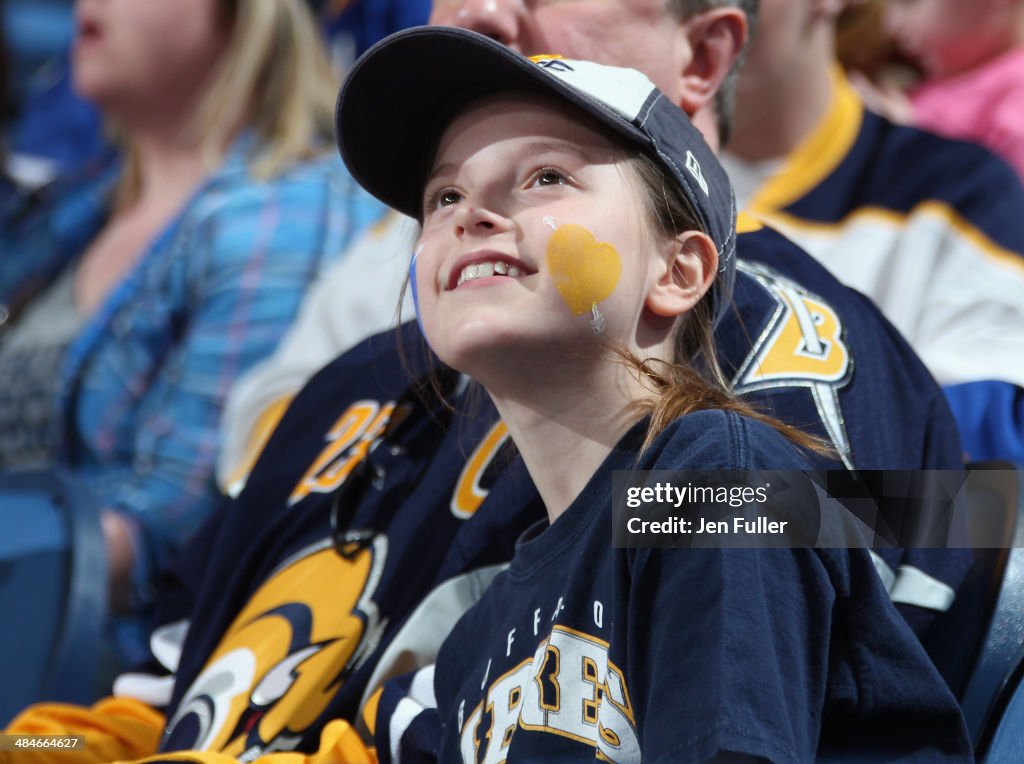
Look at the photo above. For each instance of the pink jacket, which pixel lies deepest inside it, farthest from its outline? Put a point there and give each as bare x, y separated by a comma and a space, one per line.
985, 105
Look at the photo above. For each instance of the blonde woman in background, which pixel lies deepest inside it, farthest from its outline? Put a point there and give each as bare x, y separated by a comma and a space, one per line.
137, 292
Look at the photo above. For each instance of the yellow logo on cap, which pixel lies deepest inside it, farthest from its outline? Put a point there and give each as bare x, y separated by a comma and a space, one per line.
545, 57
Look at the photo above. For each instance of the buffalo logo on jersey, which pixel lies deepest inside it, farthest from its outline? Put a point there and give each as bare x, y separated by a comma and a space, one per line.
284, 656
568, 688
802, 345
358, 431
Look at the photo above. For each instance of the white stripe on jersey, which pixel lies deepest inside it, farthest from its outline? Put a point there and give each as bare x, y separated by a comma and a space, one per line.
912, 586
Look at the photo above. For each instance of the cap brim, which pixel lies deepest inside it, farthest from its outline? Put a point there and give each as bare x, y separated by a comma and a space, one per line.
402, 93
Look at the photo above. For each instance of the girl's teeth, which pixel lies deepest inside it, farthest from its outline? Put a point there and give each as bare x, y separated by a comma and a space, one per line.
483, 270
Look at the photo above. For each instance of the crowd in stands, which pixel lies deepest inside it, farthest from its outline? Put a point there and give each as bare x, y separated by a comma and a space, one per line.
341, 315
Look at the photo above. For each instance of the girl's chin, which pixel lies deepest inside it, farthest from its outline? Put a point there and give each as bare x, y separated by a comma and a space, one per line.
501, 335
520, 360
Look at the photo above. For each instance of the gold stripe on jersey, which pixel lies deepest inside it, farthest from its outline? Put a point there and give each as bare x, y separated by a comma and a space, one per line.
469, 494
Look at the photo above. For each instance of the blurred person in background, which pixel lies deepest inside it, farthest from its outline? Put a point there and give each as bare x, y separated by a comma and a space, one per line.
861, 44
137, 291
929, 228
971, 62
57, 132
866, 51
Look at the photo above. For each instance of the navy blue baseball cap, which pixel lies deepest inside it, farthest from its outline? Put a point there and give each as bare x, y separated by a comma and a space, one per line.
401, 94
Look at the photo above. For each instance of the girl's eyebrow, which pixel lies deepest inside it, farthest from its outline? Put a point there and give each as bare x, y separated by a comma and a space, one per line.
549, 145
534, 148
584, 153
441, 169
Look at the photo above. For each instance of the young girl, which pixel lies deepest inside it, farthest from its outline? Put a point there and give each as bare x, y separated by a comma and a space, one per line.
577, 245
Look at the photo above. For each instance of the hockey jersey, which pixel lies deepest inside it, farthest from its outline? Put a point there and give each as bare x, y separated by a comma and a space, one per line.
929, 228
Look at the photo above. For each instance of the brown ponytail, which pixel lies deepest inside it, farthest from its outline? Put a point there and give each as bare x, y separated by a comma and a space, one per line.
693, 380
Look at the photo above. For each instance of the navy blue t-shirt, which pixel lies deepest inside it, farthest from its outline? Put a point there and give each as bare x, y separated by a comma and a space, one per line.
581, 651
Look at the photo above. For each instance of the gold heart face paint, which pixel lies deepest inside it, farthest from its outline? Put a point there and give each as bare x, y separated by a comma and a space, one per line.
585, 271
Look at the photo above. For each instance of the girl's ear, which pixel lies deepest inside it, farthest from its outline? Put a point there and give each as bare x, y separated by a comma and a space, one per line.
684, 275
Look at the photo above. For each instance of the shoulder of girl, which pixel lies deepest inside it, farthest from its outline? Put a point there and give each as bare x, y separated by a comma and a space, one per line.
724, 440
701, 440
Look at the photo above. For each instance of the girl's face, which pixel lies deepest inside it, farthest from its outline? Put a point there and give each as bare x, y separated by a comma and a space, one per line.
531, 219
138, 57
949, 36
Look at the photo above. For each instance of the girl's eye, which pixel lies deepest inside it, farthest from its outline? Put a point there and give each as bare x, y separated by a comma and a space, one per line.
549, 177
447, 197
443, 197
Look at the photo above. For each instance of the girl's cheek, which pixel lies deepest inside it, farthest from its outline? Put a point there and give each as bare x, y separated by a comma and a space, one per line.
584, 270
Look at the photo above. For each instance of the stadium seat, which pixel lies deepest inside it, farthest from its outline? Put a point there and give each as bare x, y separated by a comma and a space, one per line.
52, 591
978, 644
1006, 744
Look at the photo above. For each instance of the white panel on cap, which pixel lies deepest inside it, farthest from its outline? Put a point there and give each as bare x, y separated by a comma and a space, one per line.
624, 90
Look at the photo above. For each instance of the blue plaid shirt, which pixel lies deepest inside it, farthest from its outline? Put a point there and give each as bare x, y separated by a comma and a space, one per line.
144, 383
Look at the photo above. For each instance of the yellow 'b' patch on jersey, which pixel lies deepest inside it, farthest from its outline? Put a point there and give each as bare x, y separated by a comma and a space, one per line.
805, 343
802, 344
